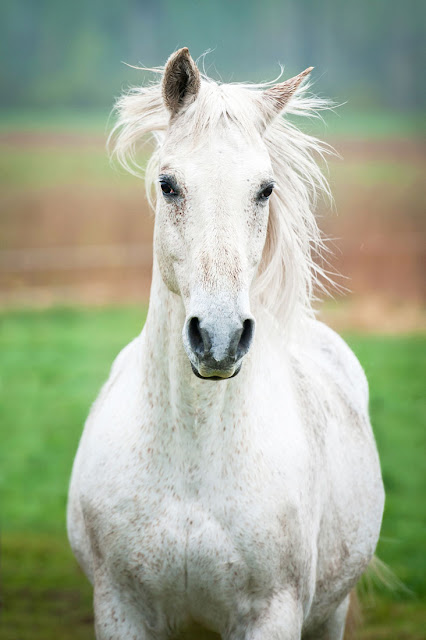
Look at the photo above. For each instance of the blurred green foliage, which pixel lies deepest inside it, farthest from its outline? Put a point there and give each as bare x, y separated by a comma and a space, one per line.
57, 53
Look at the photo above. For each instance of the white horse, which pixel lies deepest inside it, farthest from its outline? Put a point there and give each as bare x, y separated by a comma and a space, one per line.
206, 504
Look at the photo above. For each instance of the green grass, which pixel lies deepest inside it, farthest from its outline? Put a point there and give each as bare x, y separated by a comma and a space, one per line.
52, 365
396, 368
45, 595
51, 368
55, 120
63, 166
345, 121
57, 166
47, 165
38, 167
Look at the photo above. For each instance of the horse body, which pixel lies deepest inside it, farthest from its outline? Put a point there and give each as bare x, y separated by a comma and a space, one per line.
243, 508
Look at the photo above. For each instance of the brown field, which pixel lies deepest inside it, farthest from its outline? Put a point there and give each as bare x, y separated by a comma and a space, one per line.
75, 229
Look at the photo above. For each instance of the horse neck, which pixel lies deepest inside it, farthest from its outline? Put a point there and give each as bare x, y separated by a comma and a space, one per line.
187, 399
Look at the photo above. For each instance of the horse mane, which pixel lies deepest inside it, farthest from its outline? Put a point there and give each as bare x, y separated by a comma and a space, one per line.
289, 273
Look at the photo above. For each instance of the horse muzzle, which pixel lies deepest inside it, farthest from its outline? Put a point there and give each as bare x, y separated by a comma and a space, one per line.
216, 348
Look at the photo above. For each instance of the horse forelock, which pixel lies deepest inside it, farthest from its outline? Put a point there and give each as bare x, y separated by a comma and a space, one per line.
289, 273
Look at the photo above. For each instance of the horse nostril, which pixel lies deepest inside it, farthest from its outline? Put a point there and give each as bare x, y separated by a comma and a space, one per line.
221, 344
194, 336
246, 338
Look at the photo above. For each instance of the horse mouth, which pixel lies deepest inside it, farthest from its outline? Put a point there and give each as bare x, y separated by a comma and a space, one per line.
224, 376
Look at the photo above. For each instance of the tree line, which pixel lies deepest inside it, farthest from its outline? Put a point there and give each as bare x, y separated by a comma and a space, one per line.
58, 53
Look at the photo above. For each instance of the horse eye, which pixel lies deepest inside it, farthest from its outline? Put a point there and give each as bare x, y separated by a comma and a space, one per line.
167, 189
266, 193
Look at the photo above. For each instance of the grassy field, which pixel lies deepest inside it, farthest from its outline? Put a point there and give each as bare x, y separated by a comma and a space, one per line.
52, 365
344, 121
59, 189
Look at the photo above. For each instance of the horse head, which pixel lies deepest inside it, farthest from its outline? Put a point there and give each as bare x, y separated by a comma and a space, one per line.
215, 180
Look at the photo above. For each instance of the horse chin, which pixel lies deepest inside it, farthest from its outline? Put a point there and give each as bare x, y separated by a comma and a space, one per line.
225, 375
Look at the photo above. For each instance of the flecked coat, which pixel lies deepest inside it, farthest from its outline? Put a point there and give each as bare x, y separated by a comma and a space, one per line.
245, 506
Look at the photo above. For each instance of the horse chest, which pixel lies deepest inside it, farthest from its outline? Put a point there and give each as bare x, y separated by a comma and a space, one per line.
187, 550
197, 546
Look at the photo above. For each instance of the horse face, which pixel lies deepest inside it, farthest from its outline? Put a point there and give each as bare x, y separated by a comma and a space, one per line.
214, 184
211, 222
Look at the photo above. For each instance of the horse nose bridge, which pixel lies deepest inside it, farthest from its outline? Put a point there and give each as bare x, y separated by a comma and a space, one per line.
220, 268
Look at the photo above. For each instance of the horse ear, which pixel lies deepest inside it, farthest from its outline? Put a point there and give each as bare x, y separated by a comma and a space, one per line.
276, 98
181, 81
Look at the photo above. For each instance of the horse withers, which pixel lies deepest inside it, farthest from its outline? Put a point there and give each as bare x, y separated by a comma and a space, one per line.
227, 483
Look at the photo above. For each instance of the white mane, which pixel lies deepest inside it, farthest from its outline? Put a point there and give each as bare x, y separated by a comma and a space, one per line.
288, 274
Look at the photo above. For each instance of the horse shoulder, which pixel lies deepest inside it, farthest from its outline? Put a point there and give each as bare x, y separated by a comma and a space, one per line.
353, 493
337, 360
89, 465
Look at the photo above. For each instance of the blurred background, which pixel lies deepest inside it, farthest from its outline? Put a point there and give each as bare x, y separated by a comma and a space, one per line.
75, 253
